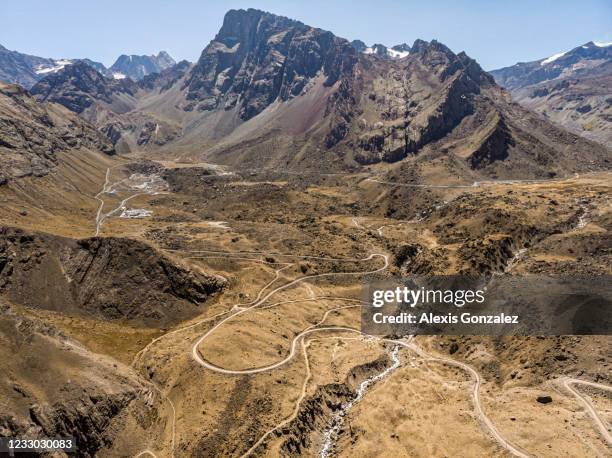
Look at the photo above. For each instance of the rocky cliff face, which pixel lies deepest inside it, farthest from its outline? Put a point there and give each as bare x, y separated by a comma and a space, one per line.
402, 106
166, 78
366, 107
31, 134
137, 67
434, 100
257, 58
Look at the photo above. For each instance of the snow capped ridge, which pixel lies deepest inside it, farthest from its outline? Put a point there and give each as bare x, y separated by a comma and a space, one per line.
397, 52
58, 65
590, 45
553, 58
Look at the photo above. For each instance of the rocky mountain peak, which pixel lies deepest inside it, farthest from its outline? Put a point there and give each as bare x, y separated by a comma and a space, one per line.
379, 49
587, 52
402, 47
165, 59
359, 45
26, 70
78, 86
258, 57
240, 26
444, 62
137, 67
419, 46
575, 62
423, 47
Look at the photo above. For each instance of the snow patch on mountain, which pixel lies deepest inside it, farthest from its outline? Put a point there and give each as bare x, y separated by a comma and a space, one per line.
397, 54
382, 50
58, 65
553, 58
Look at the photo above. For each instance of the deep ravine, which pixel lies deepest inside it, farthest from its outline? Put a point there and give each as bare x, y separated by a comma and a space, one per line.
331, 433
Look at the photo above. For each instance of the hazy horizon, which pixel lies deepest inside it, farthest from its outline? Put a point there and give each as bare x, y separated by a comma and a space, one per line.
496, 35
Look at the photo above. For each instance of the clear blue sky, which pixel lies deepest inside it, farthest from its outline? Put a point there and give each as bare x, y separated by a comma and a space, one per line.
495, 33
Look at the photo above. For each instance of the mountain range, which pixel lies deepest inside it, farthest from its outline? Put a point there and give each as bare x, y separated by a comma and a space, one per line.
572, 88
270, 92
26, 70
137, 67
183, 253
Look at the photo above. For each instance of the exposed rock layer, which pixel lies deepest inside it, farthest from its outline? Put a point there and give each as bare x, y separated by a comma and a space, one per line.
32, 133
112, 278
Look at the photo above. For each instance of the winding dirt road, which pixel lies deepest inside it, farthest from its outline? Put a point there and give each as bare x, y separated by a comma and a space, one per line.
300, 342
200, 360
601, 424
105, 189
475, 398
299, 339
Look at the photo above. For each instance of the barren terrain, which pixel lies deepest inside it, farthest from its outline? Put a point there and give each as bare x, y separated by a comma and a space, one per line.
270, 364
183, 257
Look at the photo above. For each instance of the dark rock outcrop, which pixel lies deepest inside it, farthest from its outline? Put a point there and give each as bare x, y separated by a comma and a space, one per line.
494, 147
54, 387
113, 278
166, 78
359, 45
404, 47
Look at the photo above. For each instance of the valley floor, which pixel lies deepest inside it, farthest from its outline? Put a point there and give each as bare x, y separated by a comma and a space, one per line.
275, 364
